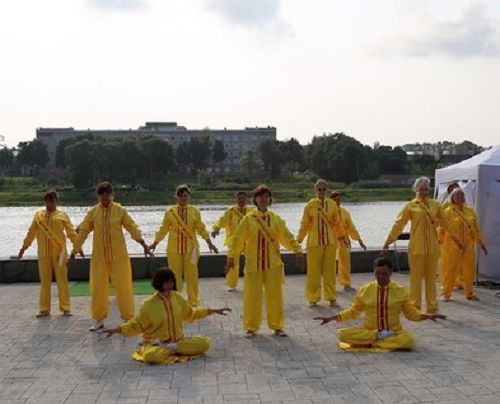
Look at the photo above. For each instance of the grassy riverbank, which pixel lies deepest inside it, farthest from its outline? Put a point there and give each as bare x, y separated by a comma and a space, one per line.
29, 191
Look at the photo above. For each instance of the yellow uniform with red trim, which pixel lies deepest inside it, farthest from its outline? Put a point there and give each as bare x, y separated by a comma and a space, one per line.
109, 258
51, 230
459, 282
344, 251
383, 307
321, 224
160, 321
183, 224
423, 249
463, 222
261, 234
229, 221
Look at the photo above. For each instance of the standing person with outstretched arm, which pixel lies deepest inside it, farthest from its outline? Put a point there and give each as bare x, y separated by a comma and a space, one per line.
321, 224
110, 259
182, 222
229, 221
51, 227
160, 321
344, 250
383, 301
260, 233
425, 215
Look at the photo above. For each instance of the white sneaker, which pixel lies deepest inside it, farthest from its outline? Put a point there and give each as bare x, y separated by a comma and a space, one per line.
230, 289
250, 334
313, 304
96, 326
385, 334
280, 333
333, 303
444, 299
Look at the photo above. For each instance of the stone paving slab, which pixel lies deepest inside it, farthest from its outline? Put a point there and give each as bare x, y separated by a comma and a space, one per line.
56, 360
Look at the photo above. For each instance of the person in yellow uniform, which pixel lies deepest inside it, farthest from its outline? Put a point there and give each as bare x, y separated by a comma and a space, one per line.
51, 227
110, 259
182, 222
425, 215
446, 203
160, 323
321, 224
463, 221
383, 301
229, 221
260, 233
344, 250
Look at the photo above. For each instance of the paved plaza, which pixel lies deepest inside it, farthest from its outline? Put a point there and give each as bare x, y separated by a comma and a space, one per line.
56, 360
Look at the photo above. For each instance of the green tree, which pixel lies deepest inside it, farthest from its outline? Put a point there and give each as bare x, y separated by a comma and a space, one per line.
6, 160
423, 165
80, 160
391, 161
158, 157
293, 155
33, 153
62, 144
200, 150
250, 162
218, 152
272, 157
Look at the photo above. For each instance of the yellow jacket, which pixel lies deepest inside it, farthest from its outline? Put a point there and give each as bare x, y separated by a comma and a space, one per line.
108, 243
161, 318
320, 223
48, 228
230, 220
425, 219
182, 225
463, 223
349, 227
382, 307
261, 234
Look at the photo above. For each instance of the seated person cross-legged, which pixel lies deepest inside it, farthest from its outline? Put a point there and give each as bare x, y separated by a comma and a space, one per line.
160, 323
382, 301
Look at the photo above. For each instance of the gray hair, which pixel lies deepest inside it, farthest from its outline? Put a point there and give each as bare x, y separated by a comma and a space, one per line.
319, 182
421, 181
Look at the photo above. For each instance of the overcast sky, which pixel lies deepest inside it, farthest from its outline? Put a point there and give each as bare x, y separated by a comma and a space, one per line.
393, 71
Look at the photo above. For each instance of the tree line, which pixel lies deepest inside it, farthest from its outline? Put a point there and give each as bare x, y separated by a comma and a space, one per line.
336, 157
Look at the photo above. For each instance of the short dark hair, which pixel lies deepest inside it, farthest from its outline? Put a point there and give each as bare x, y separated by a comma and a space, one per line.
382, 262
162, 276
182, 188
241, 193
334, 194
452, 186
262, 190
51, 196
104, 188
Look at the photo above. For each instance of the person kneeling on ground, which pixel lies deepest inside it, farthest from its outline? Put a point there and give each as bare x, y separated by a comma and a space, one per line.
382, 301
160, 322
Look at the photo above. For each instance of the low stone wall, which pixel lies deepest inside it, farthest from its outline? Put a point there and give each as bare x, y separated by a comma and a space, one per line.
210, 265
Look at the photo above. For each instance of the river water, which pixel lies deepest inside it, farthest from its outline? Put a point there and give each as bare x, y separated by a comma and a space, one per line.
373, 220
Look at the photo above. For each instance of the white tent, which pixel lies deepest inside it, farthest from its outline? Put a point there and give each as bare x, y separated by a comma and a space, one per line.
479, 177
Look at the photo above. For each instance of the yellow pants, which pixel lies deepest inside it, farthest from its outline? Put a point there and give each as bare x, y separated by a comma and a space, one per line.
233, 275
458, 262
120, 273
344, 265
272, 281
351, 338
187, 349
459, 282
47, 266
321, 267
185, 270
423, 268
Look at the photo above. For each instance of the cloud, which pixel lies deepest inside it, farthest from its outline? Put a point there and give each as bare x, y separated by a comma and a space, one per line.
251, 13
473, 33
126, 5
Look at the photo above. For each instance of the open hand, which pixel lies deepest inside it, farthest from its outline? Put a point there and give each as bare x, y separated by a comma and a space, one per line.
108, 331
434, 317
229, 265
325, 320
21, 253
483, 247
223, 312
363, 246
215, 233
212, 247
385, 248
